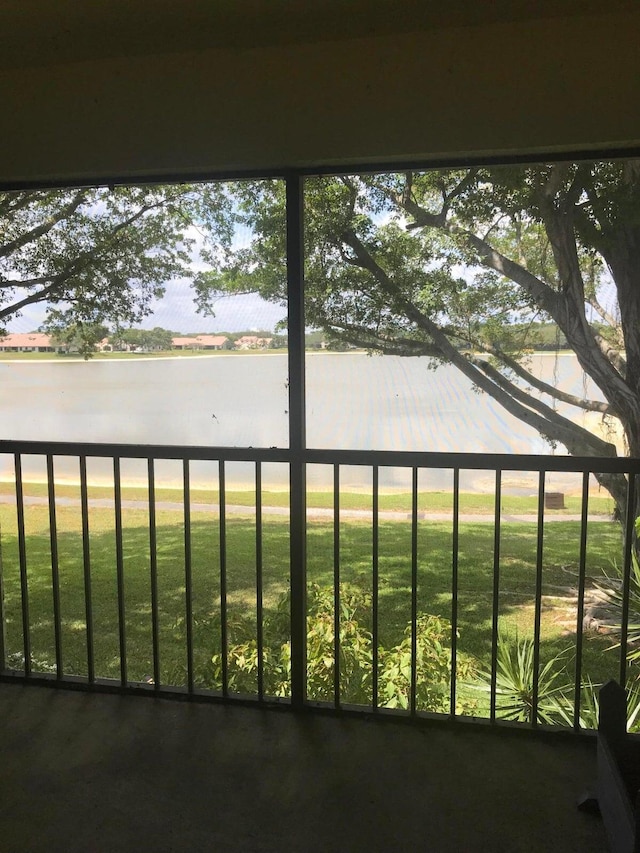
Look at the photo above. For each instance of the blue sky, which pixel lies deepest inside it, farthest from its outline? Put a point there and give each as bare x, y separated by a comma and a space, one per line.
176, 311
232, 313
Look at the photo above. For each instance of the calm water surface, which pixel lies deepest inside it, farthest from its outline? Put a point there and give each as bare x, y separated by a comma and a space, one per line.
353, 401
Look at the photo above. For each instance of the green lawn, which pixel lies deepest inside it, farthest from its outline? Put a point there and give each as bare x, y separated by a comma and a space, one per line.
436, 502
516, 599
111, 356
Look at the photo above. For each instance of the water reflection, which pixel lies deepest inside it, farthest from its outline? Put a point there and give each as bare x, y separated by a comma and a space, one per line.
353, 401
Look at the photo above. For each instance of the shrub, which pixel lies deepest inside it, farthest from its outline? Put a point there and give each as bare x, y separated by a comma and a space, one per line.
433, 668
515, 683
612, 586
433, 660
514, 689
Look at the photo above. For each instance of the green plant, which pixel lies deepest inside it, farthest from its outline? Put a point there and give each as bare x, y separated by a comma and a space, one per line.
15, 661
514, 689
590, 706
355, 644
433, 668
515, 677
612, 586
355, 658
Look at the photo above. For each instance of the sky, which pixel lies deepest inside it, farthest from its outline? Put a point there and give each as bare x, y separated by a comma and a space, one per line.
176, 311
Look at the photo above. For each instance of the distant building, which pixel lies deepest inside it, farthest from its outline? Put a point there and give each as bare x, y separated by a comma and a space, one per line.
252, 342
211, 341
200, 342
30, 342
184, 343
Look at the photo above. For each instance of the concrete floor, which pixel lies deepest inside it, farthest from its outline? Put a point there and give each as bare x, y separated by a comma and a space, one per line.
90, 772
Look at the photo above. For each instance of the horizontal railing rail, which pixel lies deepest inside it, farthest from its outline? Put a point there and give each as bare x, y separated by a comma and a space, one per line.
381, 458
144, 451
413, 606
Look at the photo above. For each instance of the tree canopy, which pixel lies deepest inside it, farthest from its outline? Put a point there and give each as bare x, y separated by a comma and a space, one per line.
99, 256
468, 266
147, 339
464, 265
78, 337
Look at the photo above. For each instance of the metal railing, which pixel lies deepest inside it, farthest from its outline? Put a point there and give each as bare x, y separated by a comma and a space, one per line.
236, 634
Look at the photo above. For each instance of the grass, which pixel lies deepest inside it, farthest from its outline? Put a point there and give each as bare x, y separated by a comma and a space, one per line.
434, 549
435, 502
101, 356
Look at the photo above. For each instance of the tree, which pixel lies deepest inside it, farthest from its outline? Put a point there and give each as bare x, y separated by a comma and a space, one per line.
158, 338
78, 337
467, 266
99, 255
464, 265
147, 339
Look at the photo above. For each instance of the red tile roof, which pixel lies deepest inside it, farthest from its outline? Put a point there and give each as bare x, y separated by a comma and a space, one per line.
31, 339
212, 340
183, 342
200, 340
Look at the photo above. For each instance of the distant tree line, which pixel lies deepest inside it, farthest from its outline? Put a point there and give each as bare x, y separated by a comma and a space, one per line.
86, 338
146, 339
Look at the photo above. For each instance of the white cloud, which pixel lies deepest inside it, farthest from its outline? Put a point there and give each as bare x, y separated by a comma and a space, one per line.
176, 311
29, 320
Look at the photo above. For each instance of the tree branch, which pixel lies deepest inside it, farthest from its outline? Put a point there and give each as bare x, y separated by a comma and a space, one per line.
569, 317
562, 426
602, 312
38, 296
11, 203
12, 283
44, 228
562, 396
577, 440
612, 354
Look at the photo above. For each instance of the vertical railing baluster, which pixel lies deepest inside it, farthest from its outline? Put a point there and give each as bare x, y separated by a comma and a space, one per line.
495, 604
336, 585
122, 629
188, 572
629, 546
153, 572
455, 544
414, 590
223, 578
375, 582
582, 571
55, 568
538, 601
259, 591
420, 583
22, 553
86, 565
297, 438
3, 641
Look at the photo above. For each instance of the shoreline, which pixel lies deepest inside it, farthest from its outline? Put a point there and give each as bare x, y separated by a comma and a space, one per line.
126, 358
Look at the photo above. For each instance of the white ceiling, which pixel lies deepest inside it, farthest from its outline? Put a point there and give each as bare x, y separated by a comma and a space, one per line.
47, 32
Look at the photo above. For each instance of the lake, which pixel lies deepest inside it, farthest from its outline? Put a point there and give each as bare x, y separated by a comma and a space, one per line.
353, 401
